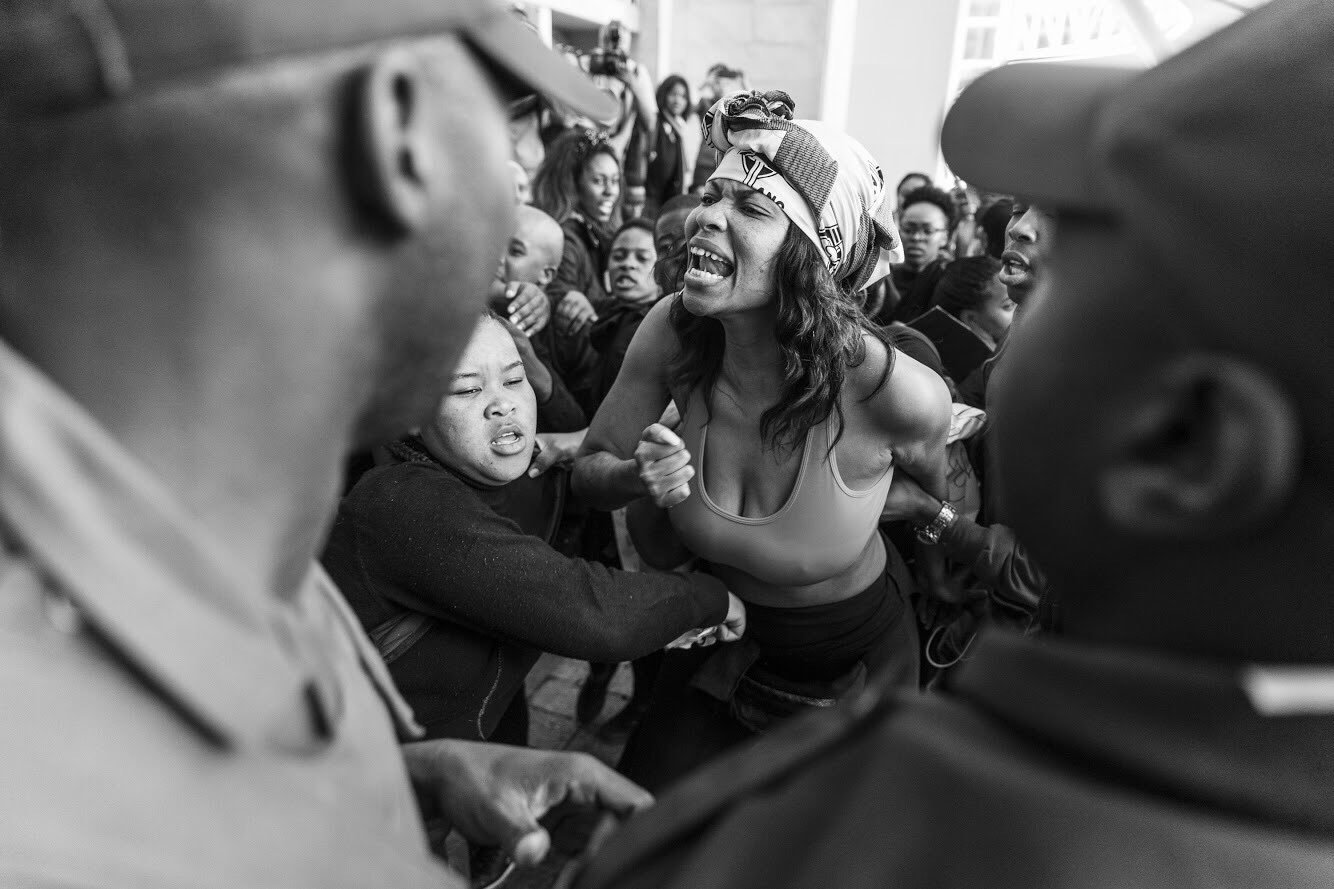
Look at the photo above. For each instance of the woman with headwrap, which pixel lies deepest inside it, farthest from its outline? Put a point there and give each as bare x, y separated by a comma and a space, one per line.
795, 415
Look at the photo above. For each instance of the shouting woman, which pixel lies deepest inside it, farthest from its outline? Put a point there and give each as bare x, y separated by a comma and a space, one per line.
795, 415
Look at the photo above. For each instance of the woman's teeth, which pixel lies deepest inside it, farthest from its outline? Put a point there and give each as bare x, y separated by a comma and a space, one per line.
711, 266
702, 277
506, 438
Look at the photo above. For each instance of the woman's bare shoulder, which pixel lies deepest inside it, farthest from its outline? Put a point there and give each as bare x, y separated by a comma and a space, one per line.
660, 314
909, 399
865, 378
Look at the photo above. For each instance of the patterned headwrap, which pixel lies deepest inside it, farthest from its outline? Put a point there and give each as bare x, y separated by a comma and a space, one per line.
824, 180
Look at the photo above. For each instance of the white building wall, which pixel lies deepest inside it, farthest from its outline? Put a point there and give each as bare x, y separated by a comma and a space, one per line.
892, 72
902, 61
780, 44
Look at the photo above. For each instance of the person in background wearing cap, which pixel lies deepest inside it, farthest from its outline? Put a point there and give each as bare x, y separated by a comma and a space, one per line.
1167, 458
264, 213
807, 413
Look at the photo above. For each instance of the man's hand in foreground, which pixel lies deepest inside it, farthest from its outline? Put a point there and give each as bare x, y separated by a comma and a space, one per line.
495, 794
527, 307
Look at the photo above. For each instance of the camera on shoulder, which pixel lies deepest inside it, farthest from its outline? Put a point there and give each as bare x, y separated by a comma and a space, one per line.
611, 55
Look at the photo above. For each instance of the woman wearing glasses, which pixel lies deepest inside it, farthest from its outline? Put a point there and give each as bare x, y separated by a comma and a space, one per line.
926, 223
794, 416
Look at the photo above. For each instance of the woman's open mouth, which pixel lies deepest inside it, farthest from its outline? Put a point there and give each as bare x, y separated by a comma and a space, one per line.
707, 267
510, 442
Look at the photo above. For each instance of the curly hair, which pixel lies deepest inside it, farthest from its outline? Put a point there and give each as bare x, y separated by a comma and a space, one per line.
556, 185
819, 330
929, 194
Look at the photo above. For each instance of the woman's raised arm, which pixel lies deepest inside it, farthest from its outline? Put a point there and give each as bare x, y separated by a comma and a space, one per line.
607, 474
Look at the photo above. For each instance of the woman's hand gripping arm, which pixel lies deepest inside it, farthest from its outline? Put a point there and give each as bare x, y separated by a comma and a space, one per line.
627, 454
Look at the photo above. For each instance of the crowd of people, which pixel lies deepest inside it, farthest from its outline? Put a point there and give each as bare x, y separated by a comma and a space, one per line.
429, 351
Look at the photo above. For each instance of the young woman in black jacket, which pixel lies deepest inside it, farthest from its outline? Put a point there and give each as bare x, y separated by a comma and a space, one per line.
443, 555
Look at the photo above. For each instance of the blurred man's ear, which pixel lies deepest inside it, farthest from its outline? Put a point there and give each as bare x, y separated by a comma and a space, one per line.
1212, 449
548, 274
397, 158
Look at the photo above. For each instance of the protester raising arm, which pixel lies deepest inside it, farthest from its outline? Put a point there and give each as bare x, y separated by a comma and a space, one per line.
627, 454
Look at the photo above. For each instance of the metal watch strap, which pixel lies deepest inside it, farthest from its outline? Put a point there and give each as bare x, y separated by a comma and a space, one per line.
944, 520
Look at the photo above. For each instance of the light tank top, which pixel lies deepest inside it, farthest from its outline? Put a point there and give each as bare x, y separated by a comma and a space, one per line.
821, 530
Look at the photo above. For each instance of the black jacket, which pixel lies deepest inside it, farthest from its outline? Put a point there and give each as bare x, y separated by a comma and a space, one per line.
416, 536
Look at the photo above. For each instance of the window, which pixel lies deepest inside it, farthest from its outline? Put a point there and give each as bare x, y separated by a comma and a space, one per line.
980, 43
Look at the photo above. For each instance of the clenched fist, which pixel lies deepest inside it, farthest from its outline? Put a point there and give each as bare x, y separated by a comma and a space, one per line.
664, 466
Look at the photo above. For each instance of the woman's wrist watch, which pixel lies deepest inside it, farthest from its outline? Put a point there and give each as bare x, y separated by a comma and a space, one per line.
944, 520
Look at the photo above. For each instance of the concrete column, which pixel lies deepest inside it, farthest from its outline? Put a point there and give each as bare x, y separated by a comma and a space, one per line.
903, 55
836, 89
780, 44
666, 13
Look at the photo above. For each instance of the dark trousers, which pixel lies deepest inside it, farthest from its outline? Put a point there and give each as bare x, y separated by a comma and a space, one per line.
684, 727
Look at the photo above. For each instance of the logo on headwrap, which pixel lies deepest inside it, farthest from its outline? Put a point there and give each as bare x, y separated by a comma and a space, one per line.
756, 170
877, 191
831, 239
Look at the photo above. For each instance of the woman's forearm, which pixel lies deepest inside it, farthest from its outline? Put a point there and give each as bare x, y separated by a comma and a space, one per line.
604, 481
